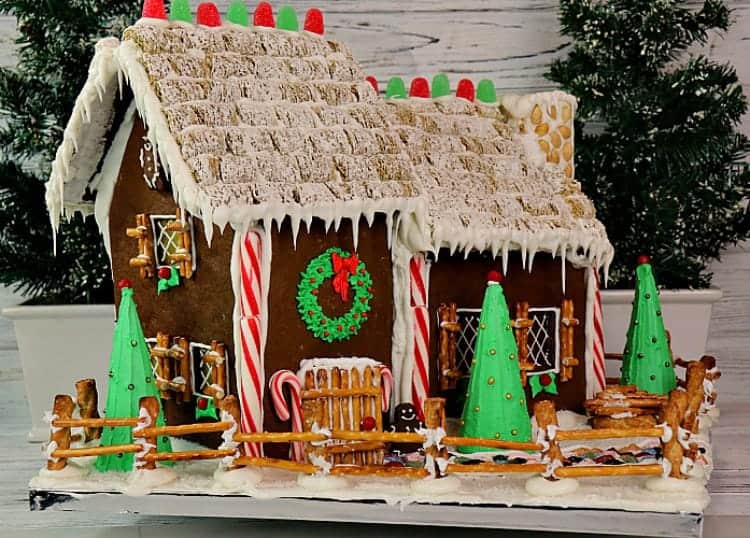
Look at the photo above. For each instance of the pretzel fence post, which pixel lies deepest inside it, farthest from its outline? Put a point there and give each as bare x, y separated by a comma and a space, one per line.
59, 437
87, 399
230, 411
672, 450
434, 418
149, 412
546, 419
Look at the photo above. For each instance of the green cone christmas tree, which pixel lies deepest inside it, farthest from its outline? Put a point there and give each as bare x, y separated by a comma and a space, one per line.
647, 359
130, 379
495, 406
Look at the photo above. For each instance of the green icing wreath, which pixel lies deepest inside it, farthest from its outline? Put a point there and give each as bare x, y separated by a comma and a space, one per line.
347, 271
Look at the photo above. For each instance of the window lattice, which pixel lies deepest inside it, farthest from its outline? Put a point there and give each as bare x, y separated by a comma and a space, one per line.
166, 241
543, 342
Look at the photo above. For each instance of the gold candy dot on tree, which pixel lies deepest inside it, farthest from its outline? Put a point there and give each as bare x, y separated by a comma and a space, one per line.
482, 326
667, 364
148, 380
507, 327
492, 351
512, 356
648, 296
508, 396
491, 381
653, 339
463, 422
652, 377
641, 355
476, 409
133, 343
514, 432
131, 387
497, 435
473, 361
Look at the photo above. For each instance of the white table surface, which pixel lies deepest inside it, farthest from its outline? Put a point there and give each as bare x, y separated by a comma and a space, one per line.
727, 517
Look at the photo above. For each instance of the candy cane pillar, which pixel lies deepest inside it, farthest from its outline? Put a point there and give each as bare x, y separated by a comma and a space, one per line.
596, 380
249, 333
420, 379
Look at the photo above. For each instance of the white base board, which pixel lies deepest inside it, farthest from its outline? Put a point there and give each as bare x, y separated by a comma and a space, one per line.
610, 522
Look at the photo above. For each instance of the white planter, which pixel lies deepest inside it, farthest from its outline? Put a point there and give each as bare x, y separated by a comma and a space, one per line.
58, 346
687, 316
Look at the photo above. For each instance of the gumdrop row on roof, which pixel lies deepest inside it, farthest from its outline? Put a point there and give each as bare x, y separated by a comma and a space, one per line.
207, 14
396, 89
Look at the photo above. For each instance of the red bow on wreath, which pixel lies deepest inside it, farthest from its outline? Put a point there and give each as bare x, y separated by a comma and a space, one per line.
343, 267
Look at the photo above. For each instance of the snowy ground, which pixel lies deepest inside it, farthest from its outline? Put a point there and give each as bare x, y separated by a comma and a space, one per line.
201, 477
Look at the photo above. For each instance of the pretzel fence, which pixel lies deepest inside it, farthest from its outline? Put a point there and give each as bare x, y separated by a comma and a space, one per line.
328, 450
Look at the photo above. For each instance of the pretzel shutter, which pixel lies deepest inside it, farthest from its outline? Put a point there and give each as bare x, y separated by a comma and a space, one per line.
142, 232
521, 327
182, 257
172, 367
567, 349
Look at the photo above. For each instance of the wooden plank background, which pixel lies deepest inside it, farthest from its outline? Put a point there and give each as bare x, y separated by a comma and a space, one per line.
512, 43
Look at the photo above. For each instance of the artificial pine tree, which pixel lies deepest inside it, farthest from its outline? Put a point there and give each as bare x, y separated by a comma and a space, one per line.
647, 359
55, 45
130, 379
495, 406
657, 147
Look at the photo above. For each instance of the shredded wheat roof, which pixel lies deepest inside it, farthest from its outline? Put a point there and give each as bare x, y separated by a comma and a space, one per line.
257, 124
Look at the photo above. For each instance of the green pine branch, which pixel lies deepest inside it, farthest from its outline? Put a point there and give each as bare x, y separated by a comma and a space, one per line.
657, 141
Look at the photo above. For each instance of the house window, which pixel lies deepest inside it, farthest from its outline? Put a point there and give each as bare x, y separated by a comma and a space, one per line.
543, 341
168, 239
210, 369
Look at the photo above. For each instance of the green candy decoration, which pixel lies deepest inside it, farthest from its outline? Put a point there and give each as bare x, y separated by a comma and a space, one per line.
205, 408
486, 91
495, 406
396, 89
441, 86
287, 19
237, 13
172, 281
647, 359
179, 10
543, 383
130, 379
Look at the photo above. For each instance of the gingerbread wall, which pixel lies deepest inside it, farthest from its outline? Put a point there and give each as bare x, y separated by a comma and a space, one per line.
459, 280
200, 309
289, 341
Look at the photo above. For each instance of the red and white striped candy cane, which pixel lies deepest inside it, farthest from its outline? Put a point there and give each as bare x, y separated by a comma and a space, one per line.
599, 364
276, 386
386, 383
249, 336
420, 380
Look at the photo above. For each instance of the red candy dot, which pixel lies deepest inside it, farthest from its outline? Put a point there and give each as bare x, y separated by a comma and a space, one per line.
263, 15
545, 379
367, 424
314, 292
202, 403
154, 9
465, 89
373, 82
323, 321
124, 283
310, 313
314, 21
326, 334
340, 328
494, 276
164, 272
208, 15
352, 328
419, 88
644, 259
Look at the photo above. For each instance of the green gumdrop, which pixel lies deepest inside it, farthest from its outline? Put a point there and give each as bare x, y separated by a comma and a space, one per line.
179, 10
396, 89
486, 91
287, 19
441, 86
237, 13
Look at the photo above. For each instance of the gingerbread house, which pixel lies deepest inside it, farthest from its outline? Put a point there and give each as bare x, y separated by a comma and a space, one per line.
270, 206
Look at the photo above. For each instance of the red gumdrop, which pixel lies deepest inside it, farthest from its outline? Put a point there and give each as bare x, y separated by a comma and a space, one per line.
202, 403
465, 89
154, 9
164, 272
263, 15
208, 15
643, 258
419, 88
494, 276
545, 379
124, 283
314, 21
367, 424
373, 82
